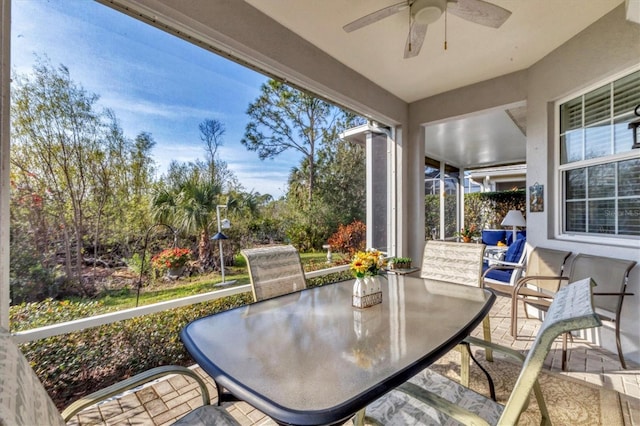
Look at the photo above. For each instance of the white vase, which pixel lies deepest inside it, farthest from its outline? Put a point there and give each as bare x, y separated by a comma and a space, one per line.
359, 287
373, 284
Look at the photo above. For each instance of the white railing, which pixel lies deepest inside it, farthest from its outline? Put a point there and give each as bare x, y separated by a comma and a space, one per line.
111, 317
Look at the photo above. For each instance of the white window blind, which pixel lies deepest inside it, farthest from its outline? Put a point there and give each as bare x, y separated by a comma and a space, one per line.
601, 194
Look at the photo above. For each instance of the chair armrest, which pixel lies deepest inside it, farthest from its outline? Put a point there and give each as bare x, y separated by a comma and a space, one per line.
499, 348
612, 294
504, 263
131, 383
502, 266
524, 280
441, 404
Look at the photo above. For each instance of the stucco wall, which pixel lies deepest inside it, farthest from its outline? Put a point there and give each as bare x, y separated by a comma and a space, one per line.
608, 47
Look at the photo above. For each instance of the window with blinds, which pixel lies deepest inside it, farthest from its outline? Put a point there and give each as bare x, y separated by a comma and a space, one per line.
601, 187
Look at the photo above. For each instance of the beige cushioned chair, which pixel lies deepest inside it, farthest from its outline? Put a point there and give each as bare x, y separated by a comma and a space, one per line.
25, 402
611, 276
457, 263
274, 271
431, 399
543, 276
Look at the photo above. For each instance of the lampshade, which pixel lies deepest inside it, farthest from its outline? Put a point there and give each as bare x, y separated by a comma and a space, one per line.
514, 218
219, 236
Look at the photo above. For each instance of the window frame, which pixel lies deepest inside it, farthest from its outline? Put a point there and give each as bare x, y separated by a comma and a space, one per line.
559, 169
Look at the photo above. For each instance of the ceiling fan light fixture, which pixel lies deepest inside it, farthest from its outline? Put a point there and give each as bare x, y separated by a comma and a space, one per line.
427, 12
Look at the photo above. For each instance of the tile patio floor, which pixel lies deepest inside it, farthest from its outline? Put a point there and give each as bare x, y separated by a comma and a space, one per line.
167, 400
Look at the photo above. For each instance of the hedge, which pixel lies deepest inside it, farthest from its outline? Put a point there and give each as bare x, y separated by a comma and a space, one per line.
78, 363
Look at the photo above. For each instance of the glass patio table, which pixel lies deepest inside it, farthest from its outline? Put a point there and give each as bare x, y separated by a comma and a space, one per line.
310, 358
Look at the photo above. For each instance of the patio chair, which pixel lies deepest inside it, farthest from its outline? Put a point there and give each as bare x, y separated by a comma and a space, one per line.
542, 278
274, 271
458, 263
24, 401
429, 398
611, 276
508, 270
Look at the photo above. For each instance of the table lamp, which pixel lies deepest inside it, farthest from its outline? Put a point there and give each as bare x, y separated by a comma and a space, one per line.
514, 218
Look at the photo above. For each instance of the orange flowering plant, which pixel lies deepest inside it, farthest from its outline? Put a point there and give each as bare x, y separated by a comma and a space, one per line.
468, 232
367, 263
171, 258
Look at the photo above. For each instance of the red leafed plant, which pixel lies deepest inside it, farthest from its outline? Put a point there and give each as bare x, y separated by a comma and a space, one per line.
171, 258
349, 238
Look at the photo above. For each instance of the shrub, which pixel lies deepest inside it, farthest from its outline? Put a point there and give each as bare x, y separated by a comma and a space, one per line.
78, 363
135, 263
171, 258
349, 238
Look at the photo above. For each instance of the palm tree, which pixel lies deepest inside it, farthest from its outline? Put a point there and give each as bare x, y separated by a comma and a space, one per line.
191, 206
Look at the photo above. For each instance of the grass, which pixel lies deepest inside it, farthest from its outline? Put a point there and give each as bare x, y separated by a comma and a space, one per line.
189, 286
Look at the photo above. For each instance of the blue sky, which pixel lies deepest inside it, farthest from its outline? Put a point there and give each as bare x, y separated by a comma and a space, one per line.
153, 81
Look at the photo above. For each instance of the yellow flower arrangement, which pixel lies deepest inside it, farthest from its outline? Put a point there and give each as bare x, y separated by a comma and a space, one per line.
367, 263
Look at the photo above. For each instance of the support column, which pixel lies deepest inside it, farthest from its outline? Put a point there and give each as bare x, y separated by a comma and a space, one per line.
5, 134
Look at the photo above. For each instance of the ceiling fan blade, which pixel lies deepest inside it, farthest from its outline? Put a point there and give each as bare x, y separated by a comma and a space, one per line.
416, 36
375, 16
479, 12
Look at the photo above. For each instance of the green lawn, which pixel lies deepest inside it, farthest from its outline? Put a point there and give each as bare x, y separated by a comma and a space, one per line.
183, 287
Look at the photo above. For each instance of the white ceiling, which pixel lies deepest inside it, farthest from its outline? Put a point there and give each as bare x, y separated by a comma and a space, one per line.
475, 53
486, 139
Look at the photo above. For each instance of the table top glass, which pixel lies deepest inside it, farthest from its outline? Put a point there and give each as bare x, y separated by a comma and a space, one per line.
311, 358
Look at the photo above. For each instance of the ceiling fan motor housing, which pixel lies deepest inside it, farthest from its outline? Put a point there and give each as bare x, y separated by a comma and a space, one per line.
427, 11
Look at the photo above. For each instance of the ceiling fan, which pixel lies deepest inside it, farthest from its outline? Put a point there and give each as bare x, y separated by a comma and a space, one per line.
425, 12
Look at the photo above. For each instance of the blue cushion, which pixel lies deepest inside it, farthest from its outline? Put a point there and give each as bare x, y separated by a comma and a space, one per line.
514, 252
492, 237
519, 234
503, 275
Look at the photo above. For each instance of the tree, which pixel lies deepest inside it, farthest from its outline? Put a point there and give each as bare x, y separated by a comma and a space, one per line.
211, 132
340, 189
342, 176
285, 119
57, 135
190, 205
192, 191
87, 183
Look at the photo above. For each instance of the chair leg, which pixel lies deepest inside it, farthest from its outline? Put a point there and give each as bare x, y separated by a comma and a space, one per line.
564, 351
465, 360
619, 346
526, 313
486, 328
465, 354
514, 316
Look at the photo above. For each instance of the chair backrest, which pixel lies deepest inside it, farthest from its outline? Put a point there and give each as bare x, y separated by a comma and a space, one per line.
609, 274
545, 262
274, 271
23, 399
516, 251
459, 263
517, 254
572, 309
519, 234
